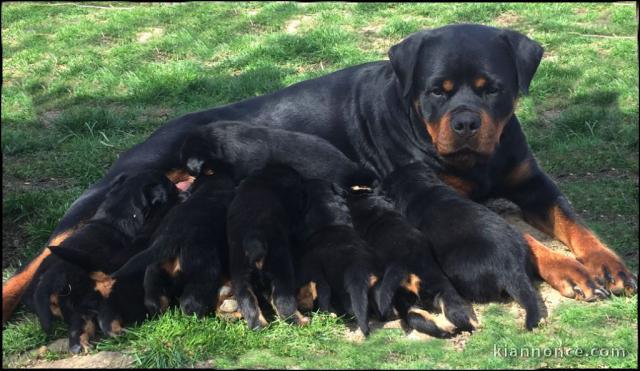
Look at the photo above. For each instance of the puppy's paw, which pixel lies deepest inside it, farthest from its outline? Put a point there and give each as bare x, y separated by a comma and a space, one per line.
458, 311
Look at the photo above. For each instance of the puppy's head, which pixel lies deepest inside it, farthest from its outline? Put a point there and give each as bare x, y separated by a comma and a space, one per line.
220, 178
133, 199
463, 81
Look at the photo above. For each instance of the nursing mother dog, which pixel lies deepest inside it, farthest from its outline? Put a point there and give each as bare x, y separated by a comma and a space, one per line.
446, 98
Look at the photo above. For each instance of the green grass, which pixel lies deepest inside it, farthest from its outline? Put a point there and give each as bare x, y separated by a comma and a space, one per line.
81, 85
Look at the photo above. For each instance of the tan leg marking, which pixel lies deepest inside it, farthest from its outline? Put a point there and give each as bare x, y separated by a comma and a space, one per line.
440, 321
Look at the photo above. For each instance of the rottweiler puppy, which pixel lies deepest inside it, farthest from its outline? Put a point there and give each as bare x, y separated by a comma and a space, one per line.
259, 225
188, 255
122, 300
332, 262
481, 269
72, 283
65, 291
410, 266
249, 148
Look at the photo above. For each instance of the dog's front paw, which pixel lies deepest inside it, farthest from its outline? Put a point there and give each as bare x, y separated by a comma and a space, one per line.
607, 269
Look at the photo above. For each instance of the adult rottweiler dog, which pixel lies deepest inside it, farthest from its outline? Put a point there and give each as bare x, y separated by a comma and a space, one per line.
333, 263
482, 267
445, 97
249, 148
409, 266
188, 255
260, 224
72, 282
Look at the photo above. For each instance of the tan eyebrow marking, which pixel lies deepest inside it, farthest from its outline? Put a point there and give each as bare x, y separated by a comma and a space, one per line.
480, 82
447, 85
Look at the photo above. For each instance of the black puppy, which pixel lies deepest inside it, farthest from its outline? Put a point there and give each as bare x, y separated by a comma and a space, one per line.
330, 255
480, 269
410, 266
249, 148
65, 291
121, 300
72, 283
259, 226
188, 255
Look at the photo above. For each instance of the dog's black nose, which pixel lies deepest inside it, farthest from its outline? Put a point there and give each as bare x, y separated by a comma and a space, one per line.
466, 124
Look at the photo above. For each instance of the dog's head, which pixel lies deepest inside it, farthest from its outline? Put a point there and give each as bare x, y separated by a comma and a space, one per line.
133, 199
463, 82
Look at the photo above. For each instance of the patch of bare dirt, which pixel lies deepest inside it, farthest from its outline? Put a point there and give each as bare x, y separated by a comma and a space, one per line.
373, 40
97, 360
13, 184
60, 347
47, 118
145, 36
610, 174
292, 26
507, 19
157, 114
550, 115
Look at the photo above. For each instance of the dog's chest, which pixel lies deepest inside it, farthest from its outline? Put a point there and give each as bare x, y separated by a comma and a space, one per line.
470, 186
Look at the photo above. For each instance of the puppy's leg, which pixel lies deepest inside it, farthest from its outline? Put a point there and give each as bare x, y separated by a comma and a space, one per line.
324, 295
46, 302
157, 288
280, 267
356, 284
384, 292
418, 318
201, 272
200, 295
435, 288
248, 303
81, 329
109, 319
521, 289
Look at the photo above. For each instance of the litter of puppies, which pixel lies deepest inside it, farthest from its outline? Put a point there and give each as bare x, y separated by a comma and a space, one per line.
283, 239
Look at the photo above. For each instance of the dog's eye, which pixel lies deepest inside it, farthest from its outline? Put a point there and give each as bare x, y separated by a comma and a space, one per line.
437, 92
492, 90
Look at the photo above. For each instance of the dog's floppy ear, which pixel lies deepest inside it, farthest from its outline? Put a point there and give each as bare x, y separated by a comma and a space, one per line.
526, 55
157, 194
118, 180
193, 152
404, 56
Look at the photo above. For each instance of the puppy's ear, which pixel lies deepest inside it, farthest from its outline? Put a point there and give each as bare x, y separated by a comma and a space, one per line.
526, 54
157, 194
193, 152
118, 180
403, 58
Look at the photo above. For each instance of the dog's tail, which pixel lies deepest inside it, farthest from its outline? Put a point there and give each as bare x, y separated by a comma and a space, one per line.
385, 291
522, 291
358, 281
